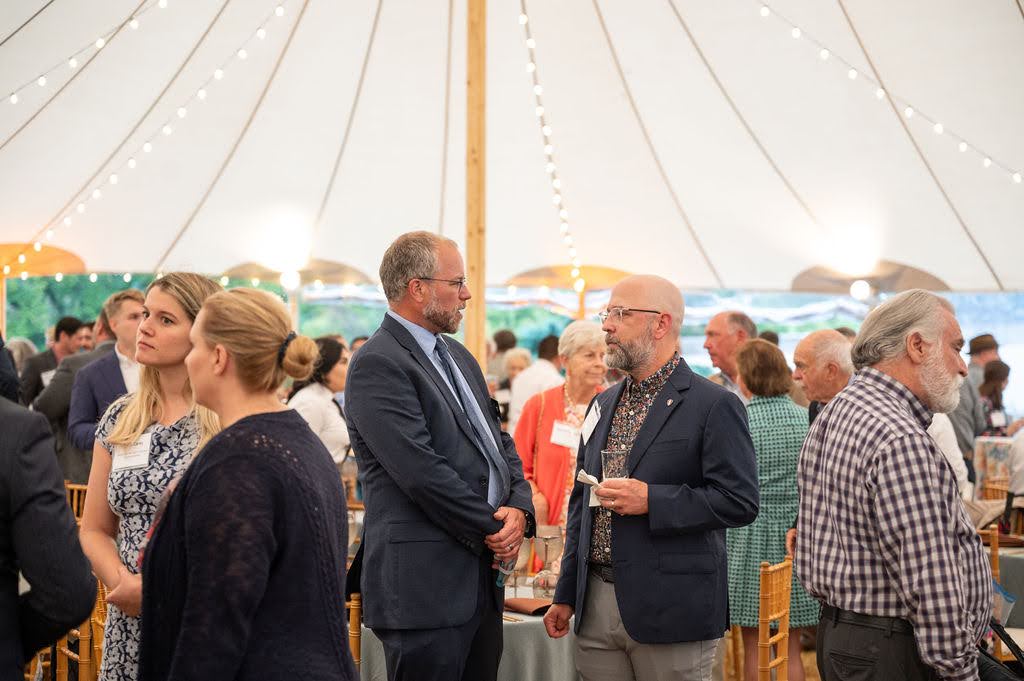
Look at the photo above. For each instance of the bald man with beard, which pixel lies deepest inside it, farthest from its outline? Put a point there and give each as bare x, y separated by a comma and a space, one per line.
644, 572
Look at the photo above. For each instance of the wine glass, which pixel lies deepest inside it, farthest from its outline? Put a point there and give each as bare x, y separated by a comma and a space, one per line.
550, 537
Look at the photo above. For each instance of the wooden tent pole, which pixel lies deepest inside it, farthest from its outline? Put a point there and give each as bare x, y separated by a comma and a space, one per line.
476, 186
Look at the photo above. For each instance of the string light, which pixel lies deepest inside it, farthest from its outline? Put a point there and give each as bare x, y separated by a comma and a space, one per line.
909, 111
550, 167
179, 113
224, 281
93, 278
127, 277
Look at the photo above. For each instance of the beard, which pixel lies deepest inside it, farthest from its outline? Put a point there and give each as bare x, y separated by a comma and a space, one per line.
446, 320
941, 388
629, 356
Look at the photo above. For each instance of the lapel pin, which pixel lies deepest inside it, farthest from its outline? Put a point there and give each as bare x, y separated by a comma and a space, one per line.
669, 403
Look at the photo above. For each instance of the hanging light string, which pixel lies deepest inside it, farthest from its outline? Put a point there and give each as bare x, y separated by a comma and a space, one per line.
25, 23
100, 43
550, 167
909, 111
104, 179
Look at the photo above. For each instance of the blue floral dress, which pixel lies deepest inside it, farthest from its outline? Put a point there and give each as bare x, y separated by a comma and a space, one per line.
133, 495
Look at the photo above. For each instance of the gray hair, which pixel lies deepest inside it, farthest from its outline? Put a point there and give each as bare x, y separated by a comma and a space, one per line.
412, 255
738, 320
579, 335
21, 349
512, 354
836, 348
883, 335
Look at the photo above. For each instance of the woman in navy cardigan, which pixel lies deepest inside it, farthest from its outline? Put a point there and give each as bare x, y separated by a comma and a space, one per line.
245, 570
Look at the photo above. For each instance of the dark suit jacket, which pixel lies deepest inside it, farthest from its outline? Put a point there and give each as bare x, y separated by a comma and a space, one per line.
96, 386
424, 483
55, 401
32, 374
8, 374
695, 454
38, 536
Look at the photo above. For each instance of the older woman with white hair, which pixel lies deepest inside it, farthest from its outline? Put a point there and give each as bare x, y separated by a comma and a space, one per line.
548, 432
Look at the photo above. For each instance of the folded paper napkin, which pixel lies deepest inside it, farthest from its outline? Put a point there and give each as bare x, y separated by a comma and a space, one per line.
588, 479
528, 606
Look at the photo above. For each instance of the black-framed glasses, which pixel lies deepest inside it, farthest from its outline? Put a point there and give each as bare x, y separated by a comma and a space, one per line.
460, 282
617, 313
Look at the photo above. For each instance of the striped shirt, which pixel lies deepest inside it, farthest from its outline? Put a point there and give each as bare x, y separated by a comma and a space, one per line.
882, 530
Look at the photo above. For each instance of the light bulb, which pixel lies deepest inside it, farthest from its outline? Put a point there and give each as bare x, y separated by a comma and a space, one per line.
575, 262
242, 54
938, 128
530, 67
531, 43
318, 284
59, 277
512, 289
127, 277
279, 10
159, 275
556, 183
7, 269
255, 281
795, 32
986, 162
37, 247
147, 147
556, 199
182, 112
579, 285
291, 280
538, 90
201, 94
963, 146
852, 74
49, 235
134, 23
132, 163
41, 81
880, 93
224, 281
218, 74
67, 220
908, 112
567, 239
93, 278
100, 42
113, 179
167, 130
549, 167
80, 208
564, 214
523, 19
539, 111
24, 276
72, 63
21, 258
860, 290
261, 33
575, 273
1016, 178
765, 11
14, 98
97, 194
824, 54
564, 228
162, 4
546, 130
548, 150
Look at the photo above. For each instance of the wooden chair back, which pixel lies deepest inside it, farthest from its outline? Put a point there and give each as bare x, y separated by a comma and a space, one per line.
355, 626
76, 498
776, 589
83, 659
733, 654
99, 623
995, 488
990, 536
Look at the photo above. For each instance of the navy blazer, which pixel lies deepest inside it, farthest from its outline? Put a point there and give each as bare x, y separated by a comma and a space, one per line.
96, 386
695, 453
424, 483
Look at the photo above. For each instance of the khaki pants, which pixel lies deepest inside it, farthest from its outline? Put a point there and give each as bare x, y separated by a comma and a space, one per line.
605, 652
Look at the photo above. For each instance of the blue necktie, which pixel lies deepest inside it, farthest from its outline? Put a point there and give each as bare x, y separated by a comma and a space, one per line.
499, 469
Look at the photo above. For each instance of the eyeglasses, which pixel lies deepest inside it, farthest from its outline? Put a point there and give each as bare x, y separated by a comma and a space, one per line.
617, 313
460, 282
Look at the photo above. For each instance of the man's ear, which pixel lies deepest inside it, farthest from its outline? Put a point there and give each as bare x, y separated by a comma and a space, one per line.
917, 348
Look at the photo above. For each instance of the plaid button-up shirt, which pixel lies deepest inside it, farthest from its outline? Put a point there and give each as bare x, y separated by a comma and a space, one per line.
882, 530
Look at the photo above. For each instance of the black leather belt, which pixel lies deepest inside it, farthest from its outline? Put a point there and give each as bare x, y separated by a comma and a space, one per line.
890, 624
604, 572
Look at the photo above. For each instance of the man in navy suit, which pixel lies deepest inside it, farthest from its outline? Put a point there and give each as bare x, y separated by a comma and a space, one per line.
113, 374
443, 486
645, 570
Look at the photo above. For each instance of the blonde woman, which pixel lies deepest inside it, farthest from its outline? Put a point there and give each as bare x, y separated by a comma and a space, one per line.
144, 440
245, 570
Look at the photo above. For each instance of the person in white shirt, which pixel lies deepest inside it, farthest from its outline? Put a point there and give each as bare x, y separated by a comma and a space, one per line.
942, 432
314, 398
536, 378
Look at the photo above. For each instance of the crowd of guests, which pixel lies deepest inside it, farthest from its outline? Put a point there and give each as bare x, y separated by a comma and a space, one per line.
216, 520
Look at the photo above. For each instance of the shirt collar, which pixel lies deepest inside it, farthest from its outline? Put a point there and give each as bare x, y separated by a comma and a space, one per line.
655, 381
424, 338
887, 383
122, 358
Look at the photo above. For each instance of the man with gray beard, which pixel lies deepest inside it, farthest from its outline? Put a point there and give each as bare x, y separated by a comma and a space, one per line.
645, 570
883, 540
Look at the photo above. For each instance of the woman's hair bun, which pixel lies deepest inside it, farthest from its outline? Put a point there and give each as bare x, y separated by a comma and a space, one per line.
300, 358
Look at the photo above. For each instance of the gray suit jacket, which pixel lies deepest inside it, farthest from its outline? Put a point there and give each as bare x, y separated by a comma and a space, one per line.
54, 401
424, 483
38, 536
32, 375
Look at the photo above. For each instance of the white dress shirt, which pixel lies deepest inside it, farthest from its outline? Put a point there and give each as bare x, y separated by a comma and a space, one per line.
316, 404
540, 376
942, 432
129, 371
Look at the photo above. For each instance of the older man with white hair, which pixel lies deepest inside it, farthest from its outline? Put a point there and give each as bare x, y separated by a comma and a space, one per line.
883, 539
823, 367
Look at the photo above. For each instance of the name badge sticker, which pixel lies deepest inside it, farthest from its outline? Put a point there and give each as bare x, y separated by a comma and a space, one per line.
135, 455
47, 376
590, 423
565, 435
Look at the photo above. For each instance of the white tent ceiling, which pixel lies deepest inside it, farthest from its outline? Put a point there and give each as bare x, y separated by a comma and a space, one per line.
828, 177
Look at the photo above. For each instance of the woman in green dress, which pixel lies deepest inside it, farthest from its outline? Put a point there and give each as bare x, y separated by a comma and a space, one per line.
778, 427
